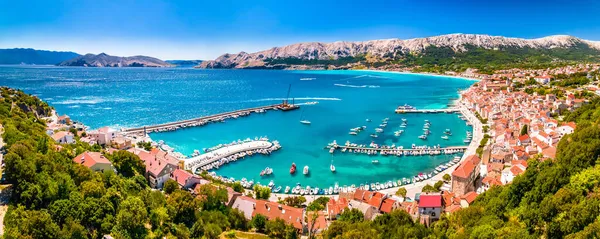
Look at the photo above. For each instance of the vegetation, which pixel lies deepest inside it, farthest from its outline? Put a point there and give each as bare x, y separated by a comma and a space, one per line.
401, 192
262, 192
524, 130
318, 204
56, 198
145, 145
333, 62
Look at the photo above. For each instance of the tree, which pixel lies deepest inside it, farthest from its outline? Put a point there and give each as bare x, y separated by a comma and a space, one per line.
127, 163
447, 177
262, 192
401, 192
237, 186
182, 207
352, 216
212, 231
170, 186
258, 222
524, 130
428, 189
294, 201
131, 218
438, 185
275, 228
318, 204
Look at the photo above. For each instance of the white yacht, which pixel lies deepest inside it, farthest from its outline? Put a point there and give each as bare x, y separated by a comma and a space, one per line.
305, 170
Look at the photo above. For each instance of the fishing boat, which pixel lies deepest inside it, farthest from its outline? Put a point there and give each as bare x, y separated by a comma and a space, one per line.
445, 137
293, 168
305, 170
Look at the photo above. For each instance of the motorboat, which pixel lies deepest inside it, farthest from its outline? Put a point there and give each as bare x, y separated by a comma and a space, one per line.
375, 161
305, 122
445, 137
423, 137
305, 170
293, 168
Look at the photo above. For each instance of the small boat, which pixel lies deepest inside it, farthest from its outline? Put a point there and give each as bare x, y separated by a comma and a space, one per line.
423, 137
331, 166
404, 120
305, 170
374, 135
304, 122
271, 184
445, 137
353, 133
287, 189
293, 168
368, 120
378, 130
375, 161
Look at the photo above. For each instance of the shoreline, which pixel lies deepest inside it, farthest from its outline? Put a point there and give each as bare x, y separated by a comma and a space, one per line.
419, 73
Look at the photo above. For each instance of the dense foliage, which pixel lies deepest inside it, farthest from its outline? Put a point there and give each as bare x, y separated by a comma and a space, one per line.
56, 198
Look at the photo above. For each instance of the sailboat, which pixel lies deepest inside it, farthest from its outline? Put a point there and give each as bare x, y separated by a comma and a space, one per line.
303, 121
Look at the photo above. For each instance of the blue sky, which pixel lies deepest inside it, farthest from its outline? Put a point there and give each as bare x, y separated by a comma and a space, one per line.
200, 29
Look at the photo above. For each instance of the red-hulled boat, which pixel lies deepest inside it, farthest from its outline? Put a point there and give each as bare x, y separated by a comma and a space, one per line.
293, 168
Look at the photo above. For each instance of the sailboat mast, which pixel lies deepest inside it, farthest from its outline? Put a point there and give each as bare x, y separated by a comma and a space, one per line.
288, 93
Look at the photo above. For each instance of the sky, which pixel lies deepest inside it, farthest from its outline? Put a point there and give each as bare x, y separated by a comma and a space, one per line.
200, 29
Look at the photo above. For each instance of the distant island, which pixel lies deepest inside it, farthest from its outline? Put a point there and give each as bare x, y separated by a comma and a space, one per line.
27, 56
104, 60
453, 52
184, 63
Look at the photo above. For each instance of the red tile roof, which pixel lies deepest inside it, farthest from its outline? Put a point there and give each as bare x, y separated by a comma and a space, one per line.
272, 210
181, 176
465, 169
89, 159
469, 197
430, 201
387, 205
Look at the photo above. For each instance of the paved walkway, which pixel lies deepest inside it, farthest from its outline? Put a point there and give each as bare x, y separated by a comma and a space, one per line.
212, 156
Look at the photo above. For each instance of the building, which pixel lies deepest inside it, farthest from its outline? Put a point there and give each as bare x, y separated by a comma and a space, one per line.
63, 137
64, 119
464, 176
159, 165
430, 207
121, 143
367, 210
545, 79
335, 208
185, 179
467, 199
273, 210
246, 205
94, 161
103, 136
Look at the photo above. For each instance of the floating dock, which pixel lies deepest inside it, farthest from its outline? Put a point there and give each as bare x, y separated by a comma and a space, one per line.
207, 119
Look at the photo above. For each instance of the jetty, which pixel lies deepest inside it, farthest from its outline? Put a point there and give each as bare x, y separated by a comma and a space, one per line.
208, 119
230, 153
401, 110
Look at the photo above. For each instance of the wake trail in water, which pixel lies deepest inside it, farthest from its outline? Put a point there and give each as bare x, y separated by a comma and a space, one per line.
357, 86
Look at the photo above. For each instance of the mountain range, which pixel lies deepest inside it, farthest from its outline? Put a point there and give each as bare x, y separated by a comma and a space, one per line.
104, 60
452, 46
34, 57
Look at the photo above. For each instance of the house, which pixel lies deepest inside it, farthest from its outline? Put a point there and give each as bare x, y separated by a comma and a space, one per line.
545, 79
464, 176
523, 140
64, 119
94, 161
103, 136
232, 195
467, 199
159, 165
508, 174
272, 210
336, 207
185, 179
388, 205
430, 206
368, 211
567, 128
63, 137
121, 142
246, 205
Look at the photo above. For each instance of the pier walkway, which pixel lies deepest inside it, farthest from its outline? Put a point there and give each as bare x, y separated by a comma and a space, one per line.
396, 150
201, 120
217, 154
447, 110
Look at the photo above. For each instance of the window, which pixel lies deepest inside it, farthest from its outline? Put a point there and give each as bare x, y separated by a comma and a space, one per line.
433, 214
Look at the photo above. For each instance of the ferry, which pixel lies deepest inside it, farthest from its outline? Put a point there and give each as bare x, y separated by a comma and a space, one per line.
293, 168
305, 170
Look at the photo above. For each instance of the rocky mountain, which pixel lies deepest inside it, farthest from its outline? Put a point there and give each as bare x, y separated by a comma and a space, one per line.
32, 56
104, 60
324, 53
184, 63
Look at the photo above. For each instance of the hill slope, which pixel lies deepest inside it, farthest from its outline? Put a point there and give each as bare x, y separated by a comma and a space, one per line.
446, 48
104, 60
32, 56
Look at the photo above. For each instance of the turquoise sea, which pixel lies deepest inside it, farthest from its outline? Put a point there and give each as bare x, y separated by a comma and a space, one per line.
129, 97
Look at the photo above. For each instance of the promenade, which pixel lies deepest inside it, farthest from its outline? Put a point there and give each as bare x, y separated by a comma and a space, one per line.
448, 110
224, 152
199, 121
414, 188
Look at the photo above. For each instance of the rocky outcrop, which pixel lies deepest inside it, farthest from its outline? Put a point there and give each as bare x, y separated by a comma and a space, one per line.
104, 60
389, 48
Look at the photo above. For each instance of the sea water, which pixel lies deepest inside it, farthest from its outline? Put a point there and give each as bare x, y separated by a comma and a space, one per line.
128, 97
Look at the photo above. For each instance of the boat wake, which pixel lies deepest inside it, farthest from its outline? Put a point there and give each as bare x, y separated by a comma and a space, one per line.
357, 86
90, 101
363, 76
306, 79
298, 98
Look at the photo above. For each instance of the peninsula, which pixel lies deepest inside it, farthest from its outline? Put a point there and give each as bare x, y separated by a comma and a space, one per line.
104, 60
